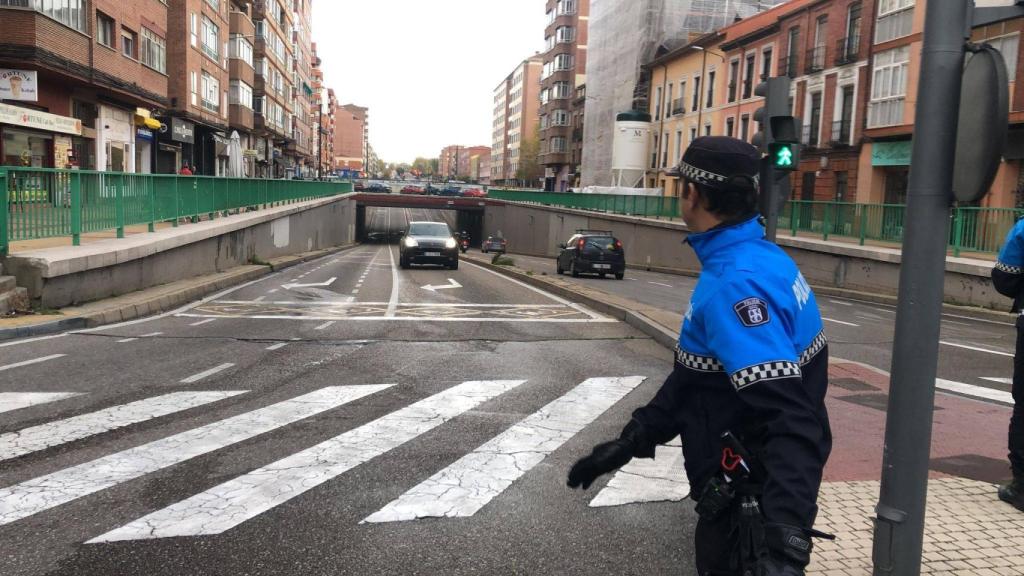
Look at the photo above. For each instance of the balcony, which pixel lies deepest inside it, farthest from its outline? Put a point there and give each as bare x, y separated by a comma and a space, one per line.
240, 23
815, 61
841, 132
678, 107
787, 66
241, 117
847, 50
809, 136
240, 70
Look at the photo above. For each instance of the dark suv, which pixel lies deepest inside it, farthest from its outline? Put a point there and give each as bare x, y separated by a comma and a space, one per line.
592, 252
429, 243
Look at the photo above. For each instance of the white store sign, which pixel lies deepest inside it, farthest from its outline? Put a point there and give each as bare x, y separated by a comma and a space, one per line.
18, 85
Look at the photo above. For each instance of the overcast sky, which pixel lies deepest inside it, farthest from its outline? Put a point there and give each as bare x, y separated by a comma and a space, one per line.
426, 69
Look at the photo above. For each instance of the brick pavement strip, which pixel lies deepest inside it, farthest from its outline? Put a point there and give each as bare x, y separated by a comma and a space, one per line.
968, 531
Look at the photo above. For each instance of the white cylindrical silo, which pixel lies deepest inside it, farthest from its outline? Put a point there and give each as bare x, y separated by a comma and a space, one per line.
630, 148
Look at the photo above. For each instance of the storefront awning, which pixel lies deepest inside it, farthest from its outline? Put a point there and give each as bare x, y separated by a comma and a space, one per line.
891, 153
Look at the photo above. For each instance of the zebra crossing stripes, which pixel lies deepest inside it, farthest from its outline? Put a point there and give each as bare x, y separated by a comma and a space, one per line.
648, 480
233, 502
17, 400
45, 492
25, 441
469, 484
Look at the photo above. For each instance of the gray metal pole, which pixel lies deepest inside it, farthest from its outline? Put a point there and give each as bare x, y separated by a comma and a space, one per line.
899, 525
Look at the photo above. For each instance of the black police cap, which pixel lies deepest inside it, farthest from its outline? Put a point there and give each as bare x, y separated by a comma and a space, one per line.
714, 161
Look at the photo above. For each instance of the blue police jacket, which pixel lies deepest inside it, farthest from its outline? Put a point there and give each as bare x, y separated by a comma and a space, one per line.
1008, 273
752, 359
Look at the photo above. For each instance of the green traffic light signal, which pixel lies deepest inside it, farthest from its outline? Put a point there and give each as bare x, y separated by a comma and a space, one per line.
783, 155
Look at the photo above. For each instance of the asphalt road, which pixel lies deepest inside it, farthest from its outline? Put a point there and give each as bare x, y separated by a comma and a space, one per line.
317, 421
974, 352
347, 417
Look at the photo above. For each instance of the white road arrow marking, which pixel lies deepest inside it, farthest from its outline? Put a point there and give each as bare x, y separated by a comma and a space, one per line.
315, 284
451, 284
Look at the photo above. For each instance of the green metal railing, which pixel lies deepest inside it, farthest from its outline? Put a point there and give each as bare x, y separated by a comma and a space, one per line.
649, 206
971, 229
46, 203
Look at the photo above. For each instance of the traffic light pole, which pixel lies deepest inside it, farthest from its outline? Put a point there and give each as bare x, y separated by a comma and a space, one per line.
770, 208
899, 524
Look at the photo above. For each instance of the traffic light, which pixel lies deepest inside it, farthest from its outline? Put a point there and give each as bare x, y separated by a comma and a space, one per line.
778, 141
777, 134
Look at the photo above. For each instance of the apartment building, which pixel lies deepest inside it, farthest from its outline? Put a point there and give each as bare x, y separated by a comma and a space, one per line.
241, 79
327, 133
480, 167
197, 72
564, 70
454, 162
273, 95
80, 82
316, 112
516, 120
351, 137
300, 147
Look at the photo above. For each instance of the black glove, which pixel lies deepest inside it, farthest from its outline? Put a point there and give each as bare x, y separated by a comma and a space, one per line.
789, 544
604, 459
772, 567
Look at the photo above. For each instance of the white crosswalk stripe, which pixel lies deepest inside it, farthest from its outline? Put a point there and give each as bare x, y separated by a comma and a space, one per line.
233, 502
470, 483
45, 492
648, 480
14, 444
17, 400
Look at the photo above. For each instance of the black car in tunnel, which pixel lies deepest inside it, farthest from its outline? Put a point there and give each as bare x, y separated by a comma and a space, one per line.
429, 243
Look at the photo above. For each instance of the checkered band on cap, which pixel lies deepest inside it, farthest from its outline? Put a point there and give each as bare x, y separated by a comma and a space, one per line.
697, 362
694, 174
765, 371
811, 351
1009, 269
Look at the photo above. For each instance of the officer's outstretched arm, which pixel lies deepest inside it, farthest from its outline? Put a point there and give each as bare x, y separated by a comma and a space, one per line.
651, 425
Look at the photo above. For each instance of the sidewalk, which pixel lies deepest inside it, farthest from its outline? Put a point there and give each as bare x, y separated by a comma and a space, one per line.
968, 532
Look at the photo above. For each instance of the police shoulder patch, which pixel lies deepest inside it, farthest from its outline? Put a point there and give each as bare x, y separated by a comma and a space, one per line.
752, 312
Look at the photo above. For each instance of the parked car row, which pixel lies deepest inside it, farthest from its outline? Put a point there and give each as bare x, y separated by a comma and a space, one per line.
452, 191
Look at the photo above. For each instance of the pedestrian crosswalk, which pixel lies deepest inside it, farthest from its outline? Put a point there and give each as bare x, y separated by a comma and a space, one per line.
460, 489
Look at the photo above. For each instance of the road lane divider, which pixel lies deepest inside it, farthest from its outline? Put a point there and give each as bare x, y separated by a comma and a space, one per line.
45, 492
206, 373
31, 362
975, 348
17, 400
466, 486
229, 504
35, 438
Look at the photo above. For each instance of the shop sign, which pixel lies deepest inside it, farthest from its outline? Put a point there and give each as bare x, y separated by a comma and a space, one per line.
144, 134
39, 120
18, 85
250, 153
183, 131
891, 153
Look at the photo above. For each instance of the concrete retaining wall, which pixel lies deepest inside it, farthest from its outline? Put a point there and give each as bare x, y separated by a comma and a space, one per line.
537, 230
59, 277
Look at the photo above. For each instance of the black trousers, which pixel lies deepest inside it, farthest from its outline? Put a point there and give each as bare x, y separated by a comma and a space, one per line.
1016, 435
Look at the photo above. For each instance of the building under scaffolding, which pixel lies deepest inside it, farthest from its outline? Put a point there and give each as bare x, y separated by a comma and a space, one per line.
623, 35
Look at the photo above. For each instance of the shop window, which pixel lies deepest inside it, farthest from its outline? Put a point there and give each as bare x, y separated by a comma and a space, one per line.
27, 149
104, 29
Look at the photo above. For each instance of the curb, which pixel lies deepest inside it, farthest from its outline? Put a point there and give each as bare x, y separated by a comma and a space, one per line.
635, 319
163, 302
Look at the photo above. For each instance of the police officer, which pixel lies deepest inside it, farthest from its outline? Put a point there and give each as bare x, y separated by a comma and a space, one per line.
751, 360
1008, 279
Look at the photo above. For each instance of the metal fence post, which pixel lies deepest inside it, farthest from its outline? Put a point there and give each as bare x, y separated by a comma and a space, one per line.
792, 216
7, 211
958, 230
76, 209
151, 194
119, 205
195, 195
825, 222
863, 221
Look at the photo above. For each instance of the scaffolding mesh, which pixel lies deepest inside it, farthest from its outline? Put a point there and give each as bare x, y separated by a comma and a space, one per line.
623, 35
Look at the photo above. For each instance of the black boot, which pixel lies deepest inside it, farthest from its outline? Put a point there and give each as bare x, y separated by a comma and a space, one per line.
1013, 493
